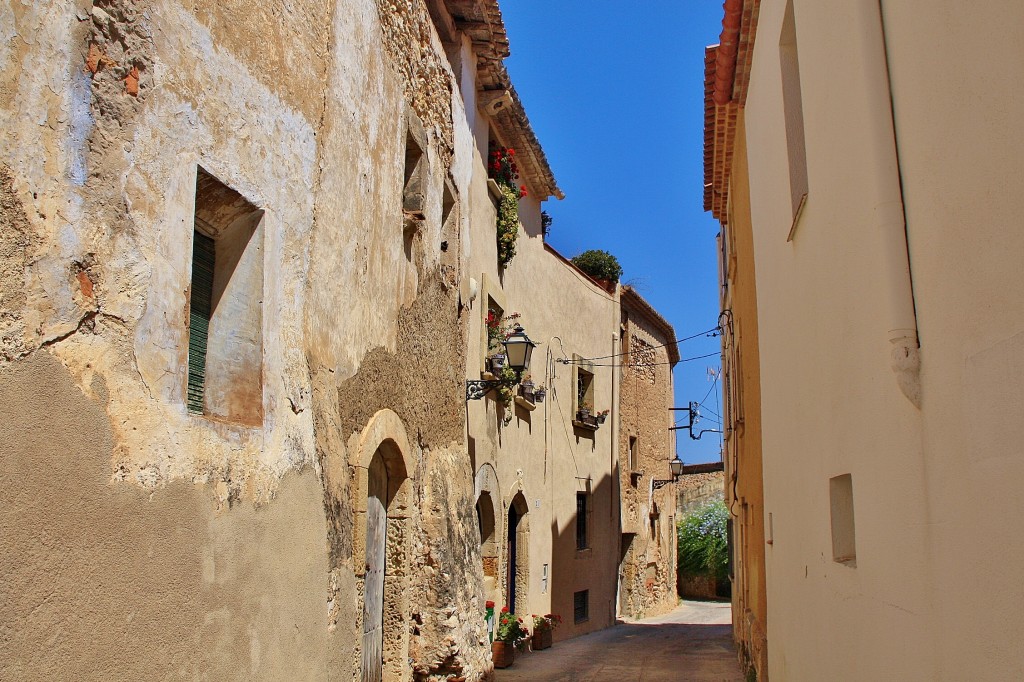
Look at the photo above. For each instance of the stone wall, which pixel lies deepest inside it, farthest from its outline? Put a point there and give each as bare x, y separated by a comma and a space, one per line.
166, 542
693, 491
648, 556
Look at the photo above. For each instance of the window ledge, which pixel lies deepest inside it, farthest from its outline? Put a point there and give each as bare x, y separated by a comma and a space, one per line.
494, 189
585, 425
528, 405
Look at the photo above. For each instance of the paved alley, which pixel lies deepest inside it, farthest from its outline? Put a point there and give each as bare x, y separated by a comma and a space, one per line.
693, 642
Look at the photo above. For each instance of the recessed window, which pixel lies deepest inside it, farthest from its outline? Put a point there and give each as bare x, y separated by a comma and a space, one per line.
581, 606
584, 384
634, 453
844, 536
792, 102
225, 338
581, 520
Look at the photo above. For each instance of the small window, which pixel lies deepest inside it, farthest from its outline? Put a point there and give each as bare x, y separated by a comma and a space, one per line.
581, 606
844, 536
634, 454
584, 386
581, 520
225, 335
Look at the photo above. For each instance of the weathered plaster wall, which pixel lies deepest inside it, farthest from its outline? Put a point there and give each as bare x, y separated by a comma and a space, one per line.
107, 112
647, 572
105, 580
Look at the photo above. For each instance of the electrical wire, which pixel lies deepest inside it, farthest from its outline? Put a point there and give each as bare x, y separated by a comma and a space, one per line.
713, 384
645, 364
615, 355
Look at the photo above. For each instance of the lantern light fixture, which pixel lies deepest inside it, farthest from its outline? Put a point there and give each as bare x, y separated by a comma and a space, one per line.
518, 352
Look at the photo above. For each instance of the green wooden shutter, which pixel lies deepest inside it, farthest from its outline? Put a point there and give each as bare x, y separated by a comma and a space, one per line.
199, 318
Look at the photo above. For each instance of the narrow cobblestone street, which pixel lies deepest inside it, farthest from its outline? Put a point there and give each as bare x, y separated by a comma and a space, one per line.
693, 642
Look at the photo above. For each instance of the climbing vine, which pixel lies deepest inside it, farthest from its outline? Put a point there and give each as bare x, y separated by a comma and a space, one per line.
503, 171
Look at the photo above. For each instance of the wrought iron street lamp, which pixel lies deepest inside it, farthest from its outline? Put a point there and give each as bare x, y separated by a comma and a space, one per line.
518, 351
676, 467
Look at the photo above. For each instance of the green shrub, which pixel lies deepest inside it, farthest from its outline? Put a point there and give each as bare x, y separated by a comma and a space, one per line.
599, 265
703, 547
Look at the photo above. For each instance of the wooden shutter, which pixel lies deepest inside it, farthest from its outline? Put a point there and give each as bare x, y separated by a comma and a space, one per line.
200, 306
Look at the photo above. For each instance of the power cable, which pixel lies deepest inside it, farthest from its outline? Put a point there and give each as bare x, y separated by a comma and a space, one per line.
688, 338
644, 364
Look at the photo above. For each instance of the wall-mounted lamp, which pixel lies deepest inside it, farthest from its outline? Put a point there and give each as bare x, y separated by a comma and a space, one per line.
518, 351
676, 468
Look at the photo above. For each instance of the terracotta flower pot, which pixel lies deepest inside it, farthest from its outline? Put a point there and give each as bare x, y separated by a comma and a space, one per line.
541, 639
502, 653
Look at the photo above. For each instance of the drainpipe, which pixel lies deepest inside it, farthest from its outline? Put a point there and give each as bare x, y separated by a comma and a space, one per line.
888, 214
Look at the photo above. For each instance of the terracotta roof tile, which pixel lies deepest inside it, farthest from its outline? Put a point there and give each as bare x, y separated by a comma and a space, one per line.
726, 76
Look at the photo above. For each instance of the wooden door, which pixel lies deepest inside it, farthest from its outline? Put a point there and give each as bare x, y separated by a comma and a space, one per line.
373, 598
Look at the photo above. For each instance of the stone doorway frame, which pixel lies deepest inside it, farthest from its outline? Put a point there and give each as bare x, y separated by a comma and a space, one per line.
385, 434
487, 493
517, 500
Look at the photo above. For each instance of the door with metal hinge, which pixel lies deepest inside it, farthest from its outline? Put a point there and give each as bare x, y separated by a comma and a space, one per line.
373, 596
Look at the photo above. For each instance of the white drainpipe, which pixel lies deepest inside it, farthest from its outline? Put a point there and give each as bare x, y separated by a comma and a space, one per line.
888, 211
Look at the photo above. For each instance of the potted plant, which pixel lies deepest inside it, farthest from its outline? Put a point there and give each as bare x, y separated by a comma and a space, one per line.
601, 416
497, 362
526, 387
489, 619
543, 626
583, 412
539, 394
601, 265
511, 635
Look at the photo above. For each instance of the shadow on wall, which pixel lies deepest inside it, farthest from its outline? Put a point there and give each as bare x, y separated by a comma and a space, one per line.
584, 558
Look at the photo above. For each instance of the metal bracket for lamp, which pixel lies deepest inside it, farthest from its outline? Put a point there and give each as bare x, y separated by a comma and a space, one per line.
518, 350
478, 388
677, 470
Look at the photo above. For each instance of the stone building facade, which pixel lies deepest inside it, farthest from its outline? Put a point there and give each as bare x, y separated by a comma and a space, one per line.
699, 485
870, 241
246, 254
647, 568
287, 191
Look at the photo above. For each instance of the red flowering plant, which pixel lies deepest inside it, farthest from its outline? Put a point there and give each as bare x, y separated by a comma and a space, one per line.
503, 170
499, 328
511, 629
547, 622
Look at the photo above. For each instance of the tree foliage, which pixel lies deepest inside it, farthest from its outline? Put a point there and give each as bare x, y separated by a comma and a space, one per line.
703, 547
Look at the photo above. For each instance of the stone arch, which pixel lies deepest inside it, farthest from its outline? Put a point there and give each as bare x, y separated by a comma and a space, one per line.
517, 553
488, 504
384, 469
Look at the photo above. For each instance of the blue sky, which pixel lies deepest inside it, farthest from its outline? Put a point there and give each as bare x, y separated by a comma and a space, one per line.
615, 92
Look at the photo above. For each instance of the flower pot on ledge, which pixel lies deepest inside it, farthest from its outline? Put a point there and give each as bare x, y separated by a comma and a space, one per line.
541, 639
497, 363
503, 654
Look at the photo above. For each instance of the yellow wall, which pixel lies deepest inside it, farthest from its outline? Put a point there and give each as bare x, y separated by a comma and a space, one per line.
742, 391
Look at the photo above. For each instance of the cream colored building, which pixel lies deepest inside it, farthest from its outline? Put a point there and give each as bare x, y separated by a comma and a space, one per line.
867, 156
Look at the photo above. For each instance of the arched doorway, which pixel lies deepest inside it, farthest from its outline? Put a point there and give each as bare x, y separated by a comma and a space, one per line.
488, 542
517, 552
381, 527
